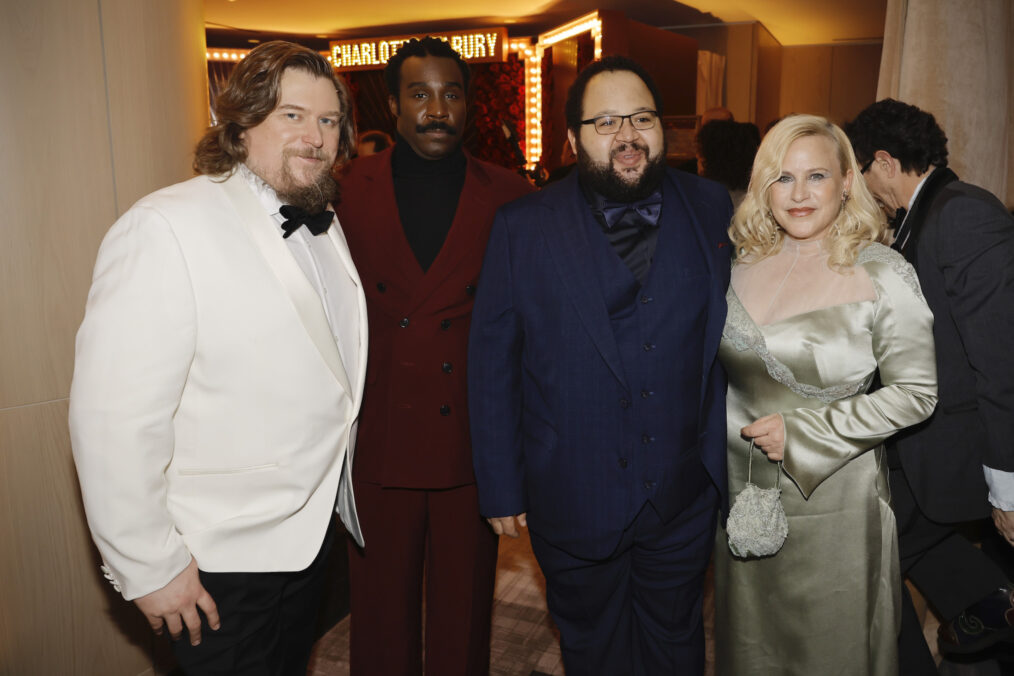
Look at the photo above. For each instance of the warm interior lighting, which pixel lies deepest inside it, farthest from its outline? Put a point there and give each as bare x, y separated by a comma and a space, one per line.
235, 55
531, 63
587, 23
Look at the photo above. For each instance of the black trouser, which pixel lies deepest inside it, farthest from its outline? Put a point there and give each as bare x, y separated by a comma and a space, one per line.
267, 619
946, 568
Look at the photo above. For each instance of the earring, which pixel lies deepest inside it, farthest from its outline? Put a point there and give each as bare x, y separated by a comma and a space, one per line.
845, 196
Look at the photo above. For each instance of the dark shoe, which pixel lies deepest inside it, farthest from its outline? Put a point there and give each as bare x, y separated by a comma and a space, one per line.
981, 625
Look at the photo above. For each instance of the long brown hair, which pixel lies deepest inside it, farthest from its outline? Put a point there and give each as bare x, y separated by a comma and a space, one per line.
252, 93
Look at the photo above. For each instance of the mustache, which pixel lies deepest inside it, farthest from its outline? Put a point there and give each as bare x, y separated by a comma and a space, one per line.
435, 126
643, 147
310, 153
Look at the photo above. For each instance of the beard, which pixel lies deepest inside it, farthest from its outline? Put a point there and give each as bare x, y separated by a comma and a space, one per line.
313, 196
608, 182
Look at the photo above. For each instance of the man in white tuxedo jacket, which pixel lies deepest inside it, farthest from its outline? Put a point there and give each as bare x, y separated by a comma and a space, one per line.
219, 373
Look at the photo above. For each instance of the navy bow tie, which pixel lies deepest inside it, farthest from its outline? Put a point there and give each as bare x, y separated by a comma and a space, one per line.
643, 212
318, 224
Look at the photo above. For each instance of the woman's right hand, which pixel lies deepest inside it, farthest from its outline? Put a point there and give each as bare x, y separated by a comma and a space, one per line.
768, 434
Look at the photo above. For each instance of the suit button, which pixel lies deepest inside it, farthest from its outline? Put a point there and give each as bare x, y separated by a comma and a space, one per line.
647, 439
403, 323
446, 367
381, 287
648, 347
445, 324
445, 410
470, 290
646, 299
649, 484
646, 393
624, 403
623, 463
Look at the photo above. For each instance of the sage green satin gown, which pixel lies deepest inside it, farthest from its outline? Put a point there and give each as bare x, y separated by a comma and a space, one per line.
829, 602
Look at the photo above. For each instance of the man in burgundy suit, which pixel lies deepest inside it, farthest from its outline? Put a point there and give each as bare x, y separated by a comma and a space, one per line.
417, 218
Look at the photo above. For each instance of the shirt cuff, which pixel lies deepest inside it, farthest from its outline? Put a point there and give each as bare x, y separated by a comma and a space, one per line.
1001, 488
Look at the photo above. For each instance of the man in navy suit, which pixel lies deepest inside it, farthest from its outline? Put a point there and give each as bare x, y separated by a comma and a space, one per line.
597, 403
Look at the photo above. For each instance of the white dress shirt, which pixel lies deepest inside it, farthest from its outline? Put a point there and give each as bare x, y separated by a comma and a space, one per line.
317, 258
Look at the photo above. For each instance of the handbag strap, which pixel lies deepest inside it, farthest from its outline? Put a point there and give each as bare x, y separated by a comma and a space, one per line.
749, 468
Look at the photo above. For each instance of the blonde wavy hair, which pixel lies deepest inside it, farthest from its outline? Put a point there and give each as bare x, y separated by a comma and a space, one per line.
754, 231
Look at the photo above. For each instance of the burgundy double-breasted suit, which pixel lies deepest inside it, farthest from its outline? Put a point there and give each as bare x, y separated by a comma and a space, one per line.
413, 474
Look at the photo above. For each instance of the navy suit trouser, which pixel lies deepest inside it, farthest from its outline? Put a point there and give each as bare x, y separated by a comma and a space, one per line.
637, 612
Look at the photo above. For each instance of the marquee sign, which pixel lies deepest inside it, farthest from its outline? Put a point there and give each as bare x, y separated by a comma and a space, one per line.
476, 46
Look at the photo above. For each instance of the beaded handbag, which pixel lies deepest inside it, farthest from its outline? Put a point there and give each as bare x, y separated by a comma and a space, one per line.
757, 525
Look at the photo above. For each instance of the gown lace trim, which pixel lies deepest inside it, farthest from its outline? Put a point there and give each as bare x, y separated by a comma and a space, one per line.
744, 334
741, 331
878, 253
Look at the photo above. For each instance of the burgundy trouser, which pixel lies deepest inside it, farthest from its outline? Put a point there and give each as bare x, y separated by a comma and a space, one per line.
408, 531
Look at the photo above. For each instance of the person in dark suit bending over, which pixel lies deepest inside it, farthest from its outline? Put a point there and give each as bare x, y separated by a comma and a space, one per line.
959, 465
597, 404
417, 218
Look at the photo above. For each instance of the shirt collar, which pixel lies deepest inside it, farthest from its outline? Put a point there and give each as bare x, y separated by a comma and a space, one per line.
918, 188
264, 192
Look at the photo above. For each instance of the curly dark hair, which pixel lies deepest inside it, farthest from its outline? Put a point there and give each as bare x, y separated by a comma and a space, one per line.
252, 93
427, 46
727, 149
912, 136
574, 109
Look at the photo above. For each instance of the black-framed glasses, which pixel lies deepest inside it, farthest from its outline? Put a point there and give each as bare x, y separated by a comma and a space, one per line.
611, 124
866, 167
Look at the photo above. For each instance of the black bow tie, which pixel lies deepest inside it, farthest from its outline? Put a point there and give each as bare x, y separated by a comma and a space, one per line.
643, 213
296, 216
897, 223
898, 218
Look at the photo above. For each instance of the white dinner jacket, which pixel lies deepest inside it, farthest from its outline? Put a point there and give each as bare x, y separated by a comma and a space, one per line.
210, 413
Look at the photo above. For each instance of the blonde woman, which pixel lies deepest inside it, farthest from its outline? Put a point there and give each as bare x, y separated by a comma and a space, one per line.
817, 308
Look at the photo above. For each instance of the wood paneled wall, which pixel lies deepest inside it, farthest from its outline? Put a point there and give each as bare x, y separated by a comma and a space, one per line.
765, 81
836, 81
102, 103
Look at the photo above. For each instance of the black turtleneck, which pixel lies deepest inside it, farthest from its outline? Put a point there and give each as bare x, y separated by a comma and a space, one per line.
427, 193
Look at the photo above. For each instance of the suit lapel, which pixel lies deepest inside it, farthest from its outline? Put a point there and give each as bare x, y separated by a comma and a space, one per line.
462, 237
673, 194
565, 230
264, 232
920, 208
392, 255
337, 238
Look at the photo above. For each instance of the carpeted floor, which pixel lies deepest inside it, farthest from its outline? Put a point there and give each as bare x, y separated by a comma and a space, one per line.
524, 641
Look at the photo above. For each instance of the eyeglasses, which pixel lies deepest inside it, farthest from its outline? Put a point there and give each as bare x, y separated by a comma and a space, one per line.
866, 167
611, 124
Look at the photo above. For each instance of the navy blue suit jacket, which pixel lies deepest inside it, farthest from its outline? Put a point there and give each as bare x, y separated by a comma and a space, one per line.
545, 370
